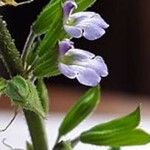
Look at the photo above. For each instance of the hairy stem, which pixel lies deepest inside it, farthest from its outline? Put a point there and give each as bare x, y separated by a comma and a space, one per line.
75, 141
57, 140
37, 130
11, 58
27, 46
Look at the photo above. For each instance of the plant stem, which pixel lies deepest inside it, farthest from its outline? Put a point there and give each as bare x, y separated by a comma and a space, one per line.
37, 132
11, 58
27, 46
75, 141
57, 140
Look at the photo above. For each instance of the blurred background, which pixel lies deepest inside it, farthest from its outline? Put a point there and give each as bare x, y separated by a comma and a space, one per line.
125, 48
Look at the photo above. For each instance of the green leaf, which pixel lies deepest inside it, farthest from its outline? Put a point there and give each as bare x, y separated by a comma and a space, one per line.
17, 89
122, 124
84, 4
46, 17
118, 132
116, 139
33, 54
23, 93
53, 35
47, 66
43, 94
3, 85
80, 110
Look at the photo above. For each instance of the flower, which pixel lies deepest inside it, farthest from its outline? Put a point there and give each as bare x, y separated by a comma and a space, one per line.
82, 65
87, 24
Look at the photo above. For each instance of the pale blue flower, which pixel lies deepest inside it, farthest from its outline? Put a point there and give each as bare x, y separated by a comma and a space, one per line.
87, 24
82, 65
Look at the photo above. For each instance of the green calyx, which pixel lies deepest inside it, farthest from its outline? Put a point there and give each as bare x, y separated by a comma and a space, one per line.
23, 93
17, 89
70, 22
67, 59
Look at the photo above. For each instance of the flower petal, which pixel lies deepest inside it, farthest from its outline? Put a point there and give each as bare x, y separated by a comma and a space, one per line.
98, 20
96, 64
87, 76
67, 70
64, 46
93, 17
90, 24
92, 31
82, 15
68, 7
100, 67
79, 55
73, 31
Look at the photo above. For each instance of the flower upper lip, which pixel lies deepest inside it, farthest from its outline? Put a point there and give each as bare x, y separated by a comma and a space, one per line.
68, 8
